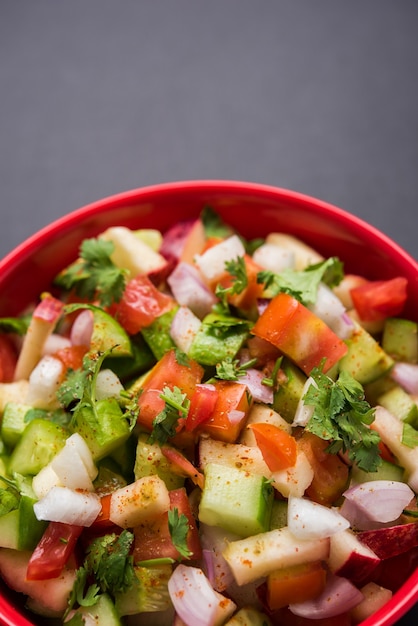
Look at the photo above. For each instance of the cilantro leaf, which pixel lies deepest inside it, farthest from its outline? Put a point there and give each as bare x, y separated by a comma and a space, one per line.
409, 435
108, 558
79, 595
342, 416
214, 225
178, 526
18, 325
238, 271
165, 423
232, 369
302, 284
94, 275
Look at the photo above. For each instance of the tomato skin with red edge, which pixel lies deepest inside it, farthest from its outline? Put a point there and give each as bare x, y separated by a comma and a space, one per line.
299, 334
378, 299
141, 304
230, 412
168, 372
279, 448
72, 356
202, 405
331, 474
53, 551
153, 541
8, 359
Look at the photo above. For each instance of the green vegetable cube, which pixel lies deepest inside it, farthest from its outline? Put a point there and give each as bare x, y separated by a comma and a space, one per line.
238, 501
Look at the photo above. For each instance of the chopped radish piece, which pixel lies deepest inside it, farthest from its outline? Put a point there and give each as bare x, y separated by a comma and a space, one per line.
82, 328
42, 324
406, 375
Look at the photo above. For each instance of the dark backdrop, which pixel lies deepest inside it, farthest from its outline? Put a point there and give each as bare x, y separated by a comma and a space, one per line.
98, 96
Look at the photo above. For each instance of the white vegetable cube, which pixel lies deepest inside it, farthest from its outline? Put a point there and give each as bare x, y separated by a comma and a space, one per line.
309, 520
145, 499
236, 500
44, 381
212, 262
131, 253
273, 257
68, 506
257, 556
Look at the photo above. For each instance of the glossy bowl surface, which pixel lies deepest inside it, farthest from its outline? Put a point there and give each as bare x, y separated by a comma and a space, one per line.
255, 210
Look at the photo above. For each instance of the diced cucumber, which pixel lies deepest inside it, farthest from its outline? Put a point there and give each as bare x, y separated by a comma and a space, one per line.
127, 367
13, 422
104, 429
385, 471
278, 517
107, 332
236, 500
151, 461
290, 390
365, 359
20, 529
219, 338
401, 404
157, 335
39, 443
102, 613
248, 616
148, 592
400, 339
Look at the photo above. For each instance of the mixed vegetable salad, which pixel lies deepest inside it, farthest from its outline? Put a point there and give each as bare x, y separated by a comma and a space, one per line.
202, 430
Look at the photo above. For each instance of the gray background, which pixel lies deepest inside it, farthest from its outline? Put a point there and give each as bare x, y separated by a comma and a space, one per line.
99, 96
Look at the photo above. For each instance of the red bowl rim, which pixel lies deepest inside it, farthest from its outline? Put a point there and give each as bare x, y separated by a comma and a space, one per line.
406, 597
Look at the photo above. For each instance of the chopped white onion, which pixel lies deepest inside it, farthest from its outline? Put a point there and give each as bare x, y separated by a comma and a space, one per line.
189, 290
253, 379
212, 262
309, 520
380, 500
338, 597
55, 342
274, 257
406, 375
82, 328
214, 540
68, 506
108, 385
44, 480
74, 464
184, 328
304, 411
329, 308
195, 600
44, 381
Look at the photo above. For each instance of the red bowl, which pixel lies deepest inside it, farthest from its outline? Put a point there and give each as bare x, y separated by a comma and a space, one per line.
255, 210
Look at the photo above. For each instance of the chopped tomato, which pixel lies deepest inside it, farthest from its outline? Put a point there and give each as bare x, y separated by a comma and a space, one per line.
72, 356
167, 372
247, 299
379, 299
53, 551
141, 304
8, 359
297, 583
299, 334
153, 539
230, 411
103, 519
278, 448
330, 472
182, 466
202, 405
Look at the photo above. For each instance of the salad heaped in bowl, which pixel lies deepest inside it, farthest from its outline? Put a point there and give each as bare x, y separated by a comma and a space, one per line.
201, 429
